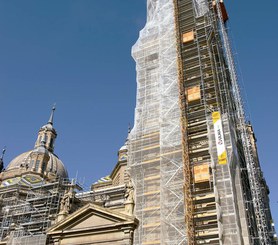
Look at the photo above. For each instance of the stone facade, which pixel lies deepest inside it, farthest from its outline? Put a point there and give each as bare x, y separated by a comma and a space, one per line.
93, 224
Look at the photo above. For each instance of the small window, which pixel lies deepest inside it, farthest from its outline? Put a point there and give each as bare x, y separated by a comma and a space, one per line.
37, 165
51, 142
32, 164
43, 167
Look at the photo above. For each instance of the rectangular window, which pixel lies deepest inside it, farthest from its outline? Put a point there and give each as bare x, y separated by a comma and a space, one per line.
43, 167
37, 165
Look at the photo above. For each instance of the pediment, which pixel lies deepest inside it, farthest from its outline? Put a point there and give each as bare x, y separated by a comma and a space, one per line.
93, 221
91, 217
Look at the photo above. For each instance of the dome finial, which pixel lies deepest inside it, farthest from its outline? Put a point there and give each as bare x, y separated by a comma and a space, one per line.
50, 121
129, 128
3, 152
1, 159
128, 133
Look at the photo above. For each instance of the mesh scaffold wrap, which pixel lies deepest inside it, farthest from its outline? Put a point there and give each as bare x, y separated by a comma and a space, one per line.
155, 158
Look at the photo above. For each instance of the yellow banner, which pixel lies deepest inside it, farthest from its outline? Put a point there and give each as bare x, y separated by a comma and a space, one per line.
219, 138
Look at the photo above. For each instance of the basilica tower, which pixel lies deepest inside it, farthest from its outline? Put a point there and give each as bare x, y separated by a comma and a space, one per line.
191, 154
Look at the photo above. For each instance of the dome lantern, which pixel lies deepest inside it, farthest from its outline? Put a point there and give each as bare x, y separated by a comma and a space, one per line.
48, 133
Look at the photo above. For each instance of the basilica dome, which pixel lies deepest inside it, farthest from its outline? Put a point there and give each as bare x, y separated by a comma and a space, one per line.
24, 163
41, 161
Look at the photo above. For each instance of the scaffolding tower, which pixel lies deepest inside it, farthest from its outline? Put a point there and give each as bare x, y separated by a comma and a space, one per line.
155, 142
190, 153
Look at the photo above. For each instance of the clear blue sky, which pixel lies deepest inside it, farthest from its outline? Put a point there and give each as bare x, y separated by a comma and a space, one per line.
77, 54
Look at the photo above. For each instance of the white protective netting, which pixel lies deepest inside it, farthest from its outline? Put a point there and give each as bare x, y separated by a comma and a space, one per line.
155, 151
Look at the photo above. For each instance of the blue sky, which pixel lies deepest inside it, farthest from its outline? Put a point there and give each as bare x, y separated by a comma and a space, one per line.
77, 54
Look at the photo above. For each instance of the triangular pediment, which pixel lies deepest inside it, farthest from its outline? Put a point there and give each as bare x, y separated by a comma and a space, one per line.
94, 221
91, 216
